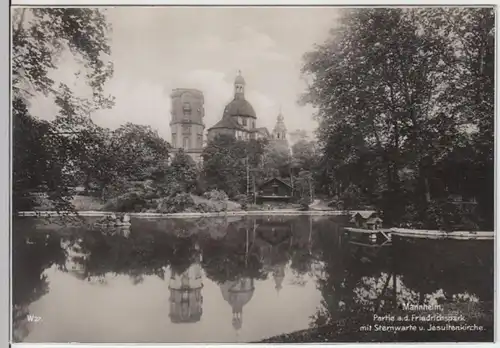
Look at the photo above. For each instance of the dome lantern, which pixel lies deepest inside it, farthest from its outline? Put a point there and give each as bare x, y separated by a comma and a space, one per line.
239, 79
239, 86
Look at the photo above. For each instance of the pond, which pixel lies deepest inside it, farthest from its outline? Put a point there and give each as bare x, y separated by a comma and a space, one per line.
229, 279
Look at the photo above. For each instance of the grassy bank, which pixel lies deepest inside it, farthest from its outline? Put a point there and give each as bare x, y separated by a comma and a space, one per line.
185, 215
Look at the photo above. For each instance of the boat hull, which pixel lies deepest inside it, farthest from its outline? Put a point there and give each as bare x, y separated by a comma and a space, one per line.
435, 234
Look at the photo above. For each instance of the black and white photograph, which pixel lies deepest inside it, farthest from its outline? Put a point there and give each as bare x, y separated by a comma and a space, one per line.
245, 174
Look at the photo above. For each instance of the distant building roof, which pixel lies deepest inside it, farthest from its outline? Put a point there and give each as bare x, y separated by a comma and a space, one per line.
239, 107
226, 122
283, 181
262, 130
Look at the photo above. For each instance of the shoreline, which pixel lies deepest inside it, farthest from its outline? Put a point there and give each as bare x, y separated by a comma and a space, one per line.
189, 215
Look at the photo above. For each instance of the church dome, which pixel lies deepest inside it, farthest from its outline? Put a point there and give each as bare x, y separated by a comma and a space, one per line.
239, 107
238, 293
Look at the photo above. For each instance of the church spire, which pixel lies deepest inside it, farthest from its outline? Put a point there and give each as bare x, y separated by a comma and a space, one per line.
279, 131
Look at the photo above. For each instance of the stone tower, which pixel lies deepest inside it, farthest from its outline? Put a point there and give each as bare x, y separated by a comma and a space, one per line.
186, 124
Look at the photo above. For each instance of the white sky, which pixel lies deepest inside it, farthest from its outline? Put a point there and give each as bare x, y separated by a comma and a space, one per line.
157, 49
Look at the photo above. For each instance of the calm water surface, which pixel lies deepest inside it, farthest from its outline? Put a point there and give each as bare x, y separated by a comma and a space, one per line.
224, 279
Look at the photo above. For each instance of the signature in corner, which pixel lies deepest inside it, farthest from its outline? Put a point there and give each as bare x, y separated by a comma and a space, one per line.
33, 318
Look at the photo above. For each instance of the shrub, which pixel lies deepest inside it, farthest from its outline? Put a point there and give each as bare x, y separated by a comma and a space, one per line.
216, 195
439, 215
179, 203
209, 207
352, 198
204, 207
244, 200
304, 203
241, 198
448, 216
128, 202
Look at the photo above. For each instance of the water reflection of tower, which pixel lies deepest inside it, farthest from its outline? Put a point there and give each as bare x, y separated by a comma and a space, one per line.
238, 293
75, 258
186, 300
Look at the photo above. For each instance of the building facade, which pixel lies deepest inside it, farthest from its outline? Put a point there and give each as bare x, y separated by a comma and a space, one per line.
274, 190
186, 123
239, 118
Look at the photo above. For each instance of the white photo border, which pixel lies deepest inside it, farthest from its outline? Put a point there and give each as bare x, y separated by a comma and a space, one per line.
6, 131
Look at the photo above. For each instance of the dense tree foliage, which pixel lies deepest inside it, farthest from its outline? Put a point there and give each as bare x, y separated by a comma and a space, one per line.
405, 100
304, 155
108, 160
277, 160
227, 162
40, 37
181, 175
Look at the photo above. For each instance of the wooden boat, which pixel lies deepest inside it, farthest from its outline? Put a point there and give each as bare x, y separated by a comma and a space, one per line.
435, 234
372, 233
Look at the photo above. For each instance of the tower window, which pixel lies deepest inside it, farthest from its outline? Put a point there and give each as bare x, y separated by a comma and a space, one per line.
200, 141
186, 108
186, 128
174, 139
244, 121
186, 143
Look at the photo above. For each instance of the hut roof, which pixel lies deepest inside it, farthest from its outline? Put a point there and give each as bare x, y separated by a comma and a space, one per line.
374, 220
283, 181
365, 214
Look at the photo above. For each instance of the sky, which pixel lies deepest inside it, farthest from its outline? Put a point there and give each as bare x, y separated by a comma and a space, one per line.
157, 49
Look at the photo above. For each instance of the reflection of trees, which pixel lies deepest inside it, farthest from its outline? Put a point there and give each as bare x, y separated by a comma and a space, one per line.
452, 266
350, 283
304, 252
32, 254
140, 253
232, 257
183, 252
358, 281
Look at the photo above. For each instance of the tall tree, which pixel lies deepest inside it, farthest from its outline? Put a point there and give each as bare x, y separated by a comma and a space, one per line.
40, 37
277, 160
182, 175
390, 105
224, 165
304, 156
232, 165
